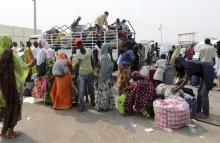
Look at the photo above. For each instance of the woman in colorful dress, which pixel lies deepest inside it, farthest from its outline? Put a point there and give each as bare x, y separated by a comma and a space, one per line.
104, 88
138, 94
61, 92
124, 72
13, 73
48, 81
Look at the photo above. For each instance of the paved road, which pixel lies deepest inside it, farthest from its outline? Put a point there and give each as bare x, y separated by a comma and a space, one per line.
52, 126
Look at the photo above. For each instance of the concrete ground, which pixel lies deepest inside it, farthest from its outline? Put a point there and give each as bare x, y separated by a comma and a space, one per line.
42, 124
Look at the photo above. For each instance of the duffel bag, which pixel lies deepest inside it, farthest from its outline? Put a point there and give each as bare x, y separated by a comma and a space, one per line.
192, 103
172, 112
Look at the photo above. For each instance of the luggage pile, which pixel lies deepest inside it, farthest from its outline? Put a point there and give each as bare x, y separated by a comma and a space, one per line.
176, 109
169, 110
172, 112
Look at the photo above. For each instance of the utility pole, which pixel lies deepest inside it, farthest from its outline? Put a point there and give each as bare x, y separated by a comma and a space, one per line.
161, 33
35, 17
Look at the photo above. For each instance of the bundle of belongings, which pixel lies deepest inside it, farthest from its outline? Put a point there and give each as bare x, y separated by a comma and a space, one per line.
176, 109
170, 110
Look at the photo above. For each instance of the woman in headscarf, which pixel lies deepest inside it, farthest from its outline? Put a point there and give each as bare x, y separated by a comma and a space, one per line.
138, 94
124, 72
104, 88
13, 73
42, 58
61, 92
48, 78
28, 57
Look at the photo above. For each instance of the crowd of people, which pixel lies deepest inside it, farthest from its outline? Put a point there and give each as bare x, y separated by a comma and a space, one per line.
64, 82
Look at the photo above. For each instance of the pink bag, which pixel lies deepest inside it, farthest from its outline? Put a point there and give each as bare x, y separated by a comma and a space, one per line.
172, 112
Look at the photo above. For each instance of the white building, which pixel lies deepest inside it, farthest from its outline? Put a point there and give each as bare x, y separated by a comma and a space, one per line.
18, 34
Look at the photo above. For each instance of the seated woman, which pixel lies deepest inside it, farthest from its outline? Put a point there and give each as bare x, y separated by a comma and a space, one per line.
61, 92
138, 94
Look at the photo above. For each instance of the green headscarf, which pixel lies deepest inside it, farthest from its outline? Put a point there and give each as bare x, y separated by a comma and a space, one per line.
21, 69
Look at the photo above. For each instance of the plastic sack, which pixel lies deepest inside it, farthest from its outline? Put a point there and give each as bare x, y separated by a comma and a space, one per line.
121, 103
166, 90
60, 68
172, 113
144, 71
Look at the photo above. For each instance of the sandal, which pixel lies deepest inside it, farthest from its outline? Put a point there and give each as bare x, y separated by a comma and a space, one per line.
14, 135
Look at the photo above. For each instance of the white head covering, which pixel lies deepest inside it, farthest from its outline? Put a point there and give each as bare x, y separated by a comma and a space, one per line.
51, 54
44, 44
49, 51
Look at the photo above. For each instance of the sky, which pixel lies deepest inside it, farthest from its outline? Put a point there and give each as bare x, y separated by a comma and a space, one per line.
176, 16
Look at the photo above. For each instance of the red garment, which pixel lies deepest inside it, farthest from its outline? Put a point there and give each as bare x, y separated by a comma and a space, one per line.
123, 34
37, 90
138, 94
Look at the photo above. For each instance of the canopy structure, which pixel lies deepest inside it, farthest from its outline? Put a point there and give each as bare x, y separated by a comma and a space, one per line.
189, 36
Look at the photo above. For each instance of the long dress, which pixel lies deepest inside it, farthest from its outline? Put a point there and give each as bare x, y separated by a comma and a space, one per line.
123, 77
13, 73
48, 81
105, 99
104, 88
61, 92
28, 59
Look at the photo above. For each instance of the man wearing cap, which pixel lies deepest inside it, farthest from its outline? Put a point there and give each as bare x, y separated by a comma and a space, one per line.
83, 59
100, 21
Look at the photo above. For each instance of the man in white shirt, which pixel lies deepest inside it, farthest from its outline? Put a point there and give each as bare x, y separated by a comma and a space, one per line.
35, 49
207, 53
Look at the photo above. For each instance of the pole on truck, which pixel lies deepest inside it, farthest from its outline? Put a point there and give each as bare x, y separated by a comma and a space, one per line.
35, 17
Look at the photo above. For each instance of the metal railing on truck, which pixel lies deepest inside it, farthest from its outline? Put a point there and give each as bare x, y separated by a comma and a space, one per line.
89, 38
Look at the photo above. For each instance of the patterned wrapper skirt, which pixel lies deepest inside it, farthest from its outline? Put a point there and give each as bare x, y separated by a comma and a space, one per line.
105, 99
123, 78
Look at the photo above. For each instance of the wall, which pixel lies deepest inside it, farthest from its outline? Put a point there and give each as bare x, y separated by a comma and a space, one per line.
18, 34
